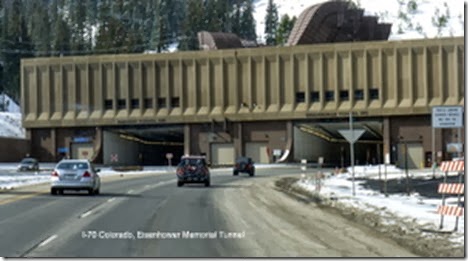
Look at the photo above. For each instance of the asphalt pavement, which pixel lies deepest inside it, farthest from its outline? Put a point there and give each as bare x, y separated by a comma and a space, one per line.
148, 216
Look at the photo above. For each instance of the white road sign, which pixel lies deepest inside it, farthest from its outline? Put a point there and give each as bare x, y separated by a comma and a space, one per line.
447, 117
351, 136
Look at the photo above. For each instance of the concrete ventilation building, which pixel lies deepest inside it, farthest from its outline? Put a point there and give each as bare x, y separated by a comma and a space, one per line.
272, 104
336, 21
218, 40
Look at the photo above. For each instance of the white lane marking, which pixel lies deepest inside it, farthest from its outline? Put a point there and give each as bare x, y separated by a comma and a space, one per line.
47, 241
130, 191
147, 186
86, 214
111, 199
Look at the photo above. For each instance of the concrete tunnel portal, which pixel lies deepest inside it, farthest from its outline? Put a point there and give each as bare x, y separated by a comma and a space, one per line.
321, 138
143, 145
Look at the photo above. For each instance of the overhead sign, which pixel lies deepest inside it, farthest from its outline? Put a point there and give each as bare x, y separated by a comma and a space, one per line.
352, 135
447, 117
62, 150
454, 147
81, 139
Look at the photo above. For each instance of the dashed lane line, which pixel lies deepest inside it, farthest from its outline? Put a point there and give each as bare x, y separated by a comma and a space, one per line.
47, 241
86, 214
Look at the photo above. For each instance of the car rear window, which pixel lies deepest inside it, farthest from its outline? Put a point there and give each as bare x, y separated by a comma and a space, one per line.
28, 161
72, 165
192, 162
242, 160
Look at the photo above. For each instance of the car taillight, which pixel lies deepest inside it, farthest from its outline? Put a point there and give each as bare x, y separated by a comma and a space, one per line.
180, 171
55, 174
86, 174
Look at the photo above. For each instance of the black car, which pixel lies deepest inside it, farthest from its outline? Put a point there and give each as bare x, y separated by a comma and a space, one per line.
28, 164
245, 165
193, 169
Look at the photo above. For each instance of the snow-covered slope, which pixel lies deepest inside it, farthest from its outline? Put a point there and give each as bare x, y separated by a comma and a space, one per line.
11, 105
387, 11
10, 121
10, 125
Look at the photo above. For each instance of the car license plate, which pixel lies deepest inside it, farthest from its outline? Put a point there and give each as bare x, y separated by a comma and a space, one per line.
69, 177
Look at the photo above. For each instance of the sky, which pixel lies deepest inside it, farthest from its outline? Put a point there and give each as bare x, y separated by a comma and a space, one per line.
387, 11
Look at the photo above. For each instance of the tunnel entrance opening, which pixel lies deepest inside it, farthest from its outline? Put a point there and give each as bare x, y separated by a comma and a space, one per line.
144, 145
321, 138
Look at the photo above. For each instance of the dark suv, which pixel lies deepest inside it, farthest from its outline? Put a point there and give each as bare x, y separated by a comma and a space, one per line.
244, 164
193, 169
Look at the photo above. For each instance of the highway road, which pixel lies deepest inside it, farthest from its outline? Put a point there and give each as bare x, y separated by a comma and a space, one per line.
148, 216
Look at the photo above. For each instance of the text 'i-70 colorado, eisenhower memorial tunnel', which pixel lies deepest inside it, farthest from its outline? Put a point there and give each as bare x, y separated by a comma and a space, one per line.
274, 104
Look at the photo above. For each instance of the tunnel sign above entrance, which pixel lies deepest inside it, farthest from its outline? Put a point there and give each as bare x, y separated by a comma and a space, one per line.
352, 135
447, 117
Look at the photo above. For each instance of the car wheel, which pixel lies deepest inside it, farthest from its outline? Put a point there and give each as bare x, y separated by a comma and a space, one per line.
235, 173
180, 183
91, 191
207, 183
53, 191
252, 173
96, 192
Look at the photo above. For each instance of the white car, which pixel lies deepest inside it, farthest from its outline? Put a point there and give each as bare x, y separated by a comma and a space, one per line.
70, 174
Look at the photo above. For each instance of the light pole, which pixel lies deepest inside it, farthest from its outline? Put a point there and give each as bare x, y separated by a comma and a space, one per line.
405, 150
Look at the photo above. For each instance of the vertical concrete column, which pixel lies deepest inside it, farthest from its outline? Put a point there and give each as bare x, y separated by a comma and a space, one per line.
187, 140
322, 82
307, 81
425, 72
169, 86
53, 145
351, 80
386, 137
411, 74
239, 140
279, 83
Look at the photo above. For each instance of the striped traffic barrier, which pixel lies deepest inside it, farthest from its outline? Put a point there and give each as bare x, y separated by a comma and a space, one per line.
451, 188
450, 166
450, 211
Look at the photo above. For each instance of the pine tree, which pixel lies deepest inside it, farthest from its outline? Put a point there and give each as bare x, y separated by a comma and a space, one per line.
16, 47
212, 19
159, 32
134, 17
440, 19
224, 10
61, 36
247, 22
236, 18
175, 15
111, 33
271, 23
40, 29
284, 29
193, 23
79, 34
